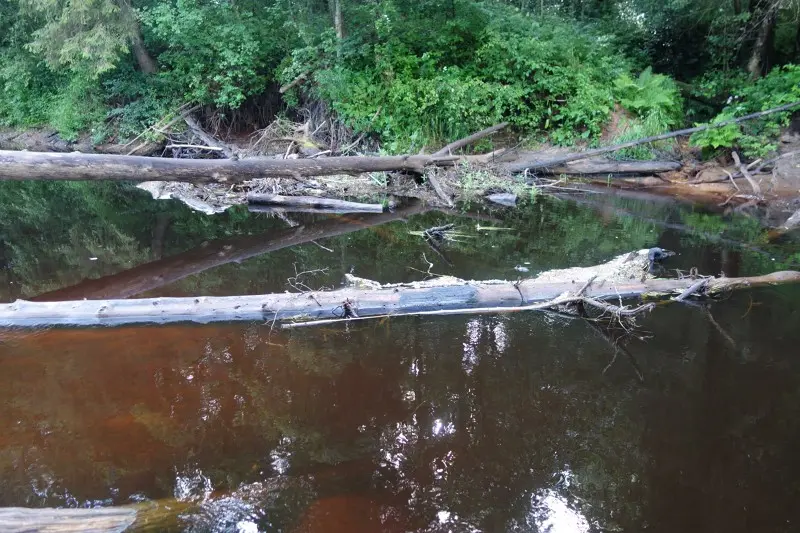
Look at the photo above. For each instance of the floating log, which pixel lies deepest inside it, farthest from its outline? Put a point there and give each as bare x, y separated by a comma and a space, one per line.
623, 277
159, 273
313, 202
77, 166
103, 520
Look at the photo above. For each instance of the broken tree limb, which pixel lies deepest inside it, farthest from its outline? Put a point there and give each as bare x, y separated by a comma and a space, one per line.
466, 141
538, 165
295, 82
195, 128
312, 202
746, 173
75, 166
443, 294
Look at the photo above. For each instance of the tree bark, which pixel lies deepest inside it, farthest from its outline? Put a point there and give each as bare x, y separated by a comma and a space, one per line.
760, 55
338, 21
107, 520
312, 202
441, 296
156, 274
145, 61
76, 166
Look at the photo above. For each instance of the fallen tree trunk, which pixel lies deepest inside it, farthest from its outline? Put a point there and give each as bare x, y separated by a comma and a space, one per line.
618, 278
76, 166
103, 520
614, 167
159, 273
277, 200
539, 165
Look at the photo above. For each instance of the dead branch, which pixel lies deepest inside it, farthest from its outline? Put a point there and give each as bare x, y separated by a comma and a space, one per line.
454, 146
195, 128
746, 173
295, 82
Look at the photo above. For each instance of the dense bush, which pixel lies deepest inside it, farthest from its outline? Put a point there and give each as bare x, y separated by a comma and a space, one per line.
755, 138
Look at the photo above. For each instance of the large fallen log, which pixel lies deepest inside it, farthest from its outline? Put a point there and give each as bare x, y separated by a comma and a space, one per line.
77, 166
558, 161
104, 520
623, 277
598, 166
159, 273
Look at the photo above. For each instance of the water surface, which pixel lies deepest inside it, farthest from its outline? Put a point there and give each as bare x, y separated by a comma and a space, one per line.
524, 422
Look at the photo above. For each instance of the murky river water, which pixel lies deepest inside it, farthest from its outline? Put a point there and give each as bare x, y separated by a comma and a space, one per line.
489, 423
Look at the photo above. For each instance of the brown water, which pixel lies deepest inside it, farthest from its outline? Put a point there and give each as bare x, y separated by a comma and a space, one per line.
491, 423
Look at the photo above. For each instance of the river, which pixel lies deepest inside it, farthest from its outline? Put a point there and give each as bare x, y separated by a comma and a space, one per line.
524, 422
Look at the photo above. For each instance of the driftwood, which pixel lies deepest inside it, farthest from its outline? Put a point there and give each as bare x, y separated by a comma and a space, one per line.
537, 165
195, 128
159, 273
623, 277
75, 166
313, 202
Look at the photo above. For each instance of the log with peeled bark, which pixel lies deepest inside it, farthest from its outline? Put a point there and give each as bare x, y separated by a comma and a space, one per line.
343, 206
623, 277
77, 166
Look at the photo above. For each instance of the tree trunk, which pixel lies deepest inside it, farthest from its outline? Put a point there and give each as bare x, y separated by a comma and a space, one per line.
335, 7
761, 53
77, 166
737, 7
156, 274
599, 166
145, 61
609, 281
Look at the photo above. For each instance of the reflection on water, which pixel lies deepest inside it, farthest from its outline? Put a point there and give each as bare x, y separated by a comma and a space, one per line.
451, 424
467, 424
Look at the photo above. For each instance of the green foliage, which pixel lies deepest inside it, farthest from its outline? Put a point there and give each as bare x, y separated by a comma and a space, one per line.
213, 52
756, 138
653, 97
537, 75
87, 35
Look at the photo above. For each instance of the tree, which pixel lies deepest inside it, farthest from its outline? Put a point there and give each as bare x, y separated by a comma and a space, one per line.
88, 35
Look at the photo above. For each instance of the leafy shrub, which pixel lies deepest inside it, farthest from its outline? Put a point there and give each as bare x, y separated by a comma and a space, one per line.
756, 138
504, 66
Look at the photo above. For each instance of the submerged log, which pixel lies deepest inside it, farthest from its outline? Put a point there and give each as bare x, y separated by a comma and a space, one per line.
623, 277
159, 273
77, 166
313, 202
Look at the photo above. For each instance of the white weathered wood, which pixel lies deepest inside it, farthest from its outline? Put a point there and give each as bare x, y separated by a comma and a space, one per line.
370, 299
102, 520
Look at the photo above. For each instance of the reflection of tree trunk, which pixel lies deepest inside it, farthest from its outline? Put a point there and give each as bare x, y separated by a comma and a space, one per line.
737, 6
760, 55
159, 231
165, 271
